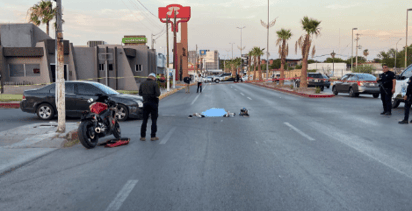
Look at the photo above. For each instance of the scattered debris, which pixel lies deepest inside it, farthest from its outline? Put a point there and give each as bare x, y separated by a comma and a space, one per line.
244, 112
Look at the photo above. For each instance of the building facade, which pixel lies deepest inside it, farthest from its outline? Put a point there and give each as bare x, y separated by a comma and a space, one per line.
27, 56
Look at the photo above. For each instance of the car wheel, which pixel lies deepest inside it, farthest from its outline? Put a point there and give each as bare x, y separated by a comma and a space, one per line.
335, 91
217, 81
351, 92
375, 95
327, 87
45, 111
322, 88
122, 113
395, 103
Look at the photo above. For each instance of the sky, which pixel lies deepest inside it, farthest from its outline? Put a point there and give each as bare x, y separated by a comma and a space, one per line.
214, 23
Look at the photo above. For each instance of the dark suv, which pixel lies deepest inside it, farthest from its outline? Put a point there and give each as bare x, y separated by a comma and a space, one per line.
317, 80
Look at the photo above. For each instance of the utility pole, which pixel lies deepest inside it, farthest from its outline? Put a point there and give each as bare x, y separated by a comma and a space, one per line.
241, 47
167, 41
351, 59
396, 51
357, 47
175, 45
196, 62
60, 84
406, 40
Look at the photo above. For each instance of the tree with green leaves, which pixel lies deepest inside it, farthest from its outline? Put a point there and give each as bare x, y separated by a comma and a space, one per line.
311, 27
237, 62
366, 53
283, 36
250, 58
42, 13
258, 52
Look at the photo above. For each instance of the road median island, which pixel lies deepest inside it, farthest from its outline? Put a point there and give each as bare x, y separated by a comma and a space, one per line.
303, 92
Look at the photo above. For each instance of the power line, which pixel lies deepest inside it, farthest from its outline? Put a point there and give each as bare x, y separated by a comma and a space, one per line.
147, 9
156, 23
135, 16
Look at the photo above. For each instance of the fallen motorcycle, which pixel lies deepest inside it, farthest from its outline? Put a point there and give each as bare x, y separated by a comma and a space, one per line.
99, 122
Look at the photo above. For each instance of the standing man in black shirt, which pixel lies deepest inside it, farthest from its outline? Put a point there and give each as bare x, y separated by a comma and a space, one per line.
187, 80
150, 92
408, 102
387, 84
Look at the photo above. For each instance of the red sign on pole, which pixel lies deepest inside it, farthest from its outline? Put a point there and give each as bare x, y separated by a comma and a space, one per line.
181, 11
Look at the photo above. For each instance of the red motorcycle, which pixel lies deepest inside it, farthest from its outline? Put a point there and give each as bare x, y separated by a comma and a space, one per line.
99, 122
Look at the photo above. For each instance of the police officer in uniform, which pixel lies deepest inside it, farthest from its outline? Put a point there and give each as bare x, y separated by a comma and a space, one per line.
408, 102
150, 92
387, 84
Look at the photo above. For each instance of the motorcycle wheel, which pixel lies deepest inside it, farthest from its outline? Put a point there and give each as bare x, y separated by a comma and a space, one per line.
117, 132
87, 136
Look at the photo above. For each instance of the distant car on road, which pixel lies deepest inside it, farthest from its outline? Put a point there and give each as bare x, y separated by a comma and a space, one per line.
316, 80
327, 81
42, 100
355, 84
208, 79
222, 77
401, 86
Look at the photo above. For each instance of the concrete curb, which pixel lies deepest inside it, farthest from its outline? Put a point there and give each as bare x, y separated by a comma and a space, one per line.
9, 105
170, 93
294, 93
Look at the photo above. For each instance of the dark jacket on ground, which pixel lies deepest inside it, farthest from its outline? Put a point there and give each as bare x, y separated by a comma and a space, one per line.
150, 91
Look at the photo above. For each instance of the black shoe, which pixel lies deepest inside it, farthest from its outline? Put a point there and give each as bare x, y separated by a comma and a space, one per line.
403, 122
388, 113
383, 113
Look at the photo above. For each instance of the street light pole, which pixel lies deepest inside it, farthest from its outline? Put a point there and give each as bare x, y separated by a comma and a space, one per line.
241, 47
351, 59
406, 42
396, 51
333, 60
232, 48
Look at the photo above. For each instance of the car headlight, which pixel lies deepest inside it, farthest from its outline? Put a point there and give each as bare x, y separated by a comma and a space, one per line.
140, 104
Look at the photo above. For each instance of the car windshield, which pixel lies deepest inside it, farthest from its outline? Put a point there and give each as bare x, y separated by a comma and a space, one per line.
366, 77
106, 89
315, 76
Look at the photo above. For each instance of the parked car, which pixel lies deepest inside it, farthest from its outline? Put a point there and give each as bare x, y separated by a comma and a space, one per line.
222, 77
401, 86
208, 79
355, 84
42, 100
315, 80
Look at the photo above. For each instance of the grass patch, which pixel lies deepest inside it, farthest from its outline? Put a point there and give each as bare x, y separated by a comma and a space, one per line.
10, 97
71, 143
131, 92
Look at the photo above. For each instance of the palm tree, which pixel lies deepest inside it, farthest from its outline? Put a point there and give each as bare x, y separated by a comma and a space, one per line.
283, 36
249, 58
237, 63
258, 52
42, 12
311, 26
366, 53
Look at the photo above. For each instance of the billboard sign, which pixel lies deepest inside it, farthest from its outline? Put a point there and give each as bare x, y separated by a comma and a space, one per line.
202, 52
169, 10
134, 40
210, 56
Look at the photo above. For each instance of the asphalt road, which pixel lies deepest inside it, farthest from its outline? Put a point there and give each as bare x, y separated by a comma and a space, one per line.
292, 153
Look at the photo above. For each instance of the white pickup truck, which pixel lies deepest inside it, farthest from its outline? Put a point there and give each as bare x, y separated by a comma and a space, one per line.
401, 85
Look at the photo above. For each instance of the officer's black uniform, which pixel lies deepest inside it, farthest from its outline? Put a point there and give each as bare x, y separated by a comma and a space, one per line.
150, 92
386, 80
408, 102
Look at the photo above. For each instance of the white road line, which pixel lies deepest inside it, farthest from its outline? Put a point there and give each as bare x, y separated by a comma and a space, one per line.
194, 100
122, 195
299, 131
242, 94
168, 135
204, 88
249, 98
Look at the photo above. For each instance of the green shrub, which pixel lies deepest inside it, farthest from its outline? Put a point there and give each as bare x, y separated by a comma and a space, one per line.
312, 71
291, 86
317, 91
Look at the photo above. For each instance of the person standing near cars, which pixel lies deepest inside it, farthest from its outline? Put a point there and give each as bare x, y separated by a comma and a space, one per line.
387, 83
187, 80
199, 83
150, 92
408, 102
